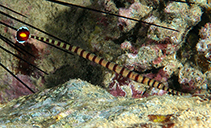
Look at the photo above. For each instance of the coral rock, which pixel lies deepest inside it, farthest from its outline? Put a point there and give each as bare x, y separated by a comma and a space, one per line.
192, 79
135, 11
204, 44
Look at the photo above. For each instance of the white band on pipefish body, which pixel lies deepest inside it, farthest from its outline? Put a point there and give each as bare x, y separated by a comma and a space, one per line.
22, 34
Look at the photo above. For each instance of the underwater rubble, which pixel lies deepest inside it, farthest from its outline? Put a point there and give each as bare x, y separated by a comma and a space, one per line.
155, 55
79, 104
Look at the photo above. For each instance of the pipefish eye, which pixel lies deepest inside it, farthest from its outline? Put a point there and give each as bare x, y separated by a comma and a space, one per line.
22, 34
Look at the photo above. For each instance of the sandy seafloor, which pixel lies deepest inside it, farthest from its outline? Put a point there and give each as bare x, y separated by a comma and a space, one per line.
77, 103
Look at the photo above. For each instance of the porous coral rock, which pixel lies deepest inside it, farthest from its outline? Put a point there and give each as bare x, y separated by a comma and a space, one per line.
182, 17
135, 11
192, 79
208, 76
204, 44
124, 87
144, 59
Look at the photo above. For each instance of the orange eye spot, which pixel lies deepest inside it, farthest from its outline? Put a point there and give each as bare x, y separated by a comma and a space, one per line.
22, 34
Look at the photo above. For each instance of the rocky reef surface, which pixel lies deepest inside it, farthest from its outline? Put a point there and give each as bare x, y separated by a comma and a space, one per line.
154, 51
80, 104
179, 59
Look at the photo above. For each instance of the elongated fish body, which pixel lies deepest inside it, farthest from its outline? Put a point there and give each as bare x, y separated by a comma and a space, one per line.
23, 35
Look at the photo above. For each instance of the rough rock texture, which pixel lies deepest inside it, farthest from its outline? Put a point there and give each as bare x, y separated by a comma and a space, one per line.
203, 46
80, 104
150, 47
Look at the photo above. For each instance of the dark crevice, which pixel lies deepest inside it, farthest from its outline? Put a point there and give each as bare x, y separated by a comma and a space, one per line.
138, 31
173, 83
153, 70
123, 3
84, 71
188, 53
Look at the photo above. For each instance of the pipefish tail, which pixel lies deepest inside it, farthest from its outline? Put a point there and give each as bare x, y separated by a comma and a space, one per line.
23, 34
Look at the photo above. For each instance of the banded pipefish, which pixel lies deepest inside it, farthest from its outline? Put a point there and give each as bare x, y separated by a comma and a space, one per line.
103, 62
23, 34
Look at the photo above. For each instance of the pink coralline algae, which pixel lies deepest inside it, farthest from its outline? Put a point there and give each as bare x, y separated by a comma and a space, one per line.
124, 87
149, 56
121, 86
204, 44
17, 89
161, 76
192, 79
158, 48
146, 57
127, 46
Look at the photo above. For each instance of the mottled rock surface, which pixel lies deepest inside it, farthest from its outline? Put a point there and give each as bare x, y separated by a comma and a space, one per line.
79, 104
